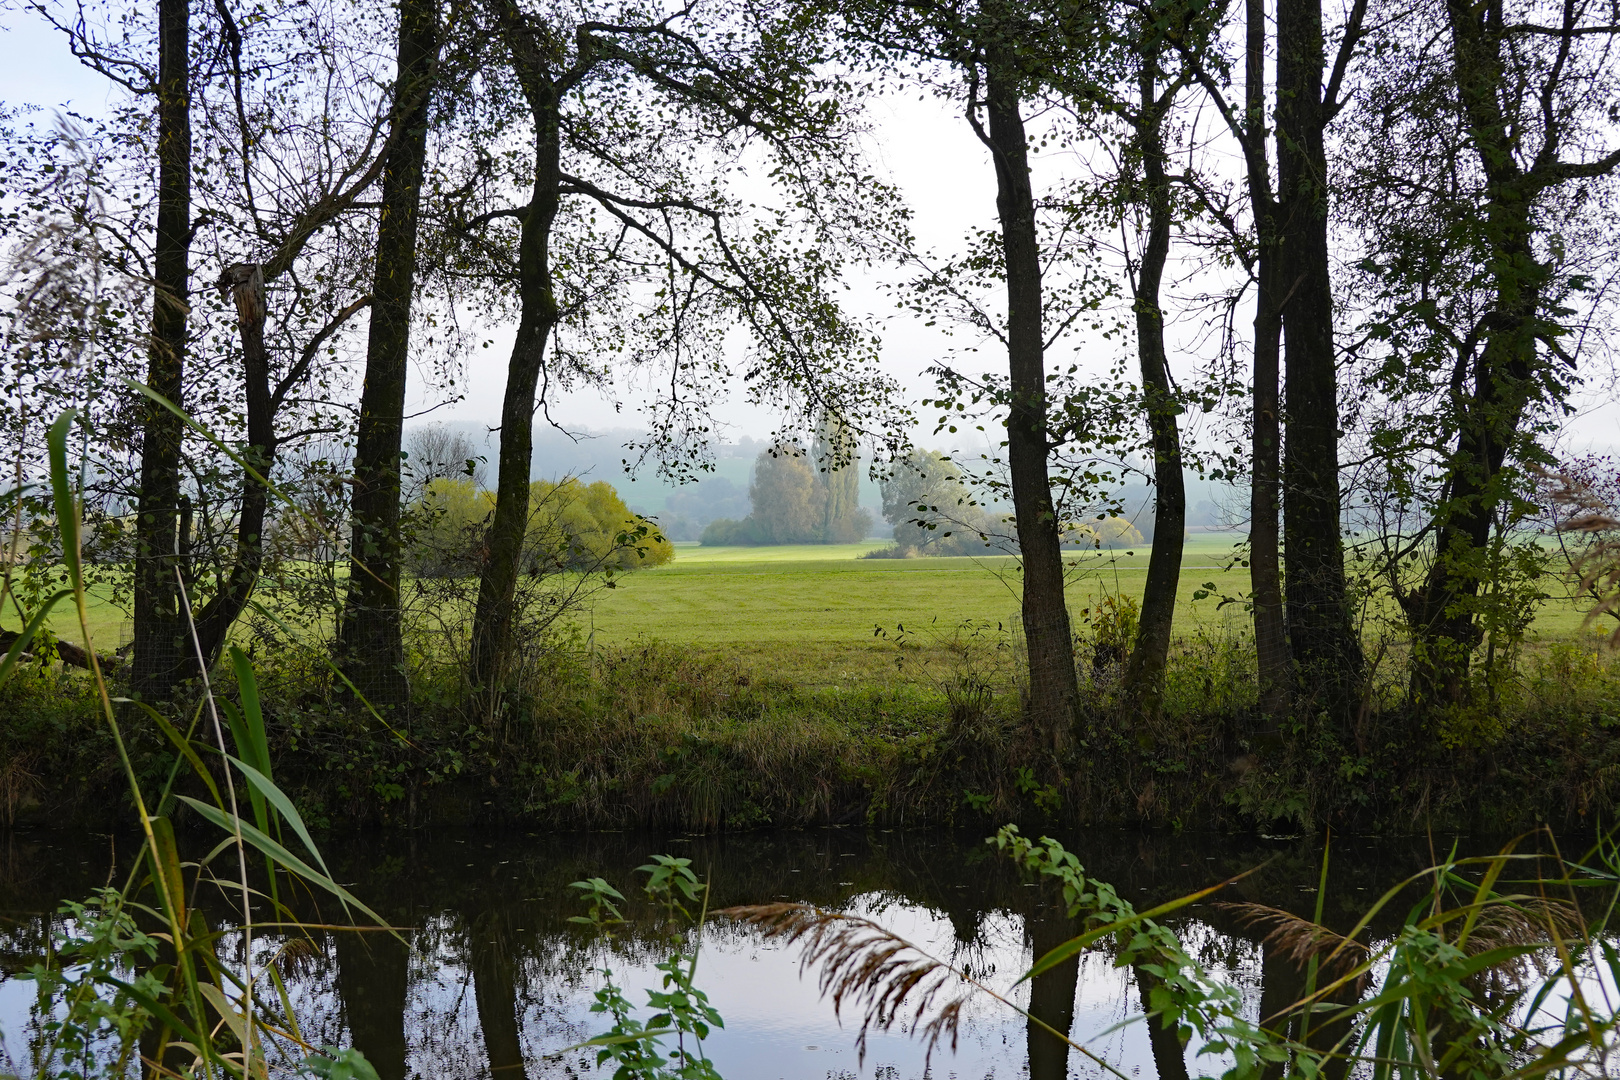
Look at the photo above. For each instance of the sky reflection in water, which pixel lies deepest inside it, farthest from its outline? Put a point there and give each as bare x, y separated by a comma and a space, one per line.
498, 979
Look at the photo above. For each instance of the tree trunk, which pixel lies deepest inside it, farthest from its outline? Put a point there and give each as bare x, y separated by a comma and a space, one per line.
497, 586
160, 646
1275, 669
245, 281
1144, 674
370, 649
1053, 687
1319, 628
1442, 612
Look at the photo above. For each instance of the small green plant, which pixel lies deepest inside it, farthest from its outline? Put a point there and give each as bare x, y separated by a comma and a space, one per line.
90, 1021
635, 1046
1046, 797
1108, 628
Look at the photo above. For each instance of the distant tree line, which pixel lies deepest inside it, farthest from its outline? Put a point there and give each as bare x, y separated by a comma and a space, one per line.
801, 496
935, 512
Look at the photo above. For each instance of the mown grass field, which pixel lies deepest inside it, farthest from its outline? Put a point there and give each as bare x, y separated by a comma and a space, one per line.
821, 615
812, 613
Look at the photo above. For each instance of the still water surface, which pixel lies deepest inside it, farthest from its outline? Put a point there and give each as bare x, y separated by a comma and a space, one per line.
496, 980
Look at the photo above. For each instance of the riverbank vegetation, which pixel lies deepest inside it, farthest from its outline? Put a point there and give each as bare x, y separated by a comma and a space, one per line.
1399, 221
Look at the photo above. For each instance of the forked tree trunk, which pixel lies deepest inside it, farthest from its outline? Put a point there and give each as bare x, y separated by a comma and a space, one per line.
497, 586
160, 639
1053, 686
1443, 612
1324, 643
1275, 668
370, 648
1144, 674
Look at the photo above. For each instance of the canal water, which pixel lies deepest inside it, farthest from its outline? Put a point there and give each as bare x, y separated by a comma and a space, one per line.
493, 980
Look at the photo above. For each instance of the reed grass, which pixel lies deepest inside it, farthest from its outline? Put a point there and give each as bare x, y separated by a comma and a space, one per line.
114, 994
1489, 976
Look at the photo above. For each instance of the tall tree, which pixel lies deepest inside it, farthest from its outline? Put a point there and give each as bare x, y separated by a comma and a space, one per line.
632, 122
160, 648
837, 457
370, 647
1144, 673
1053, 685
1481, 150
997, 58
1274, 666
290, 223
1287, 257
284, 168
1324, 643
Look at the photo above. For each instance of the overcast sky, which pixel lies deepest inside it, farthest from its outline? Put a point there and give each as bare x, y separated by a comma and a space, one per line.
924, 146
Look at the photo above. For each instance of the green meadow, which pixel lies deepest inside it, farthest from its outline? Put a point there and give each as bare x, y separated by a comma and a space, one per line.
822, 615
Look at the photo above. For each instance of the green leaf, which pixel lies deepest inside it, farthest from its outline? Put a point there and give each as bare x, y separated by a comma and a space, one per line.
284, 806
334, 1064
258, 753
35, 621
1085, 941
284, 858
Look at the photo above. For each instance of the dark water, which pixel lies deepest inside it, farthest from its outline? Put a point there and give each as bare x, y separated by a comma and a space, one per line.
496, 978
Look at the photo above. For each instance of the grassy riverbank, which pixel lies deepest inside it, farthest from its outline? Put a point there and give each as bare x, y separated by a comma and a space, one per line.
744, 687
659, 735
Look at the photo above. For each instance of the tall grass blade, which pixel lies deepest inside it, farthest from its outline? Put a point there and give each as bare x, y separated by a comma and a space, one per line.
244, 746
256, 752
166, 866
67, 512
284, 806
284, 858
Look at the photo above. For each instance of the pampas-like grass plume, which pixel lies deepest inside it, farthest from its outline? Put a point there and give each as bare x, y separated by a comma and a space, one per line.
874, 969
1302, 940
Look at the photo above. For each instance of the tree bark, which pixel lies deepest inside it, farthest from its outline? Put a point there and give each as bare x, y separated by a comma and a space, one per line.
370, 648
497, 585
1275, 668
1053, 686
1324, 642
160, 646
245, 282
1144, 674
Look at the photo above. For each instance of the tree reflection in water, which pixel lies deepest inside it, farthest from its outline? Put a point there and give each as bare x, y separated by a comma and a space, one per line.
499, 978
